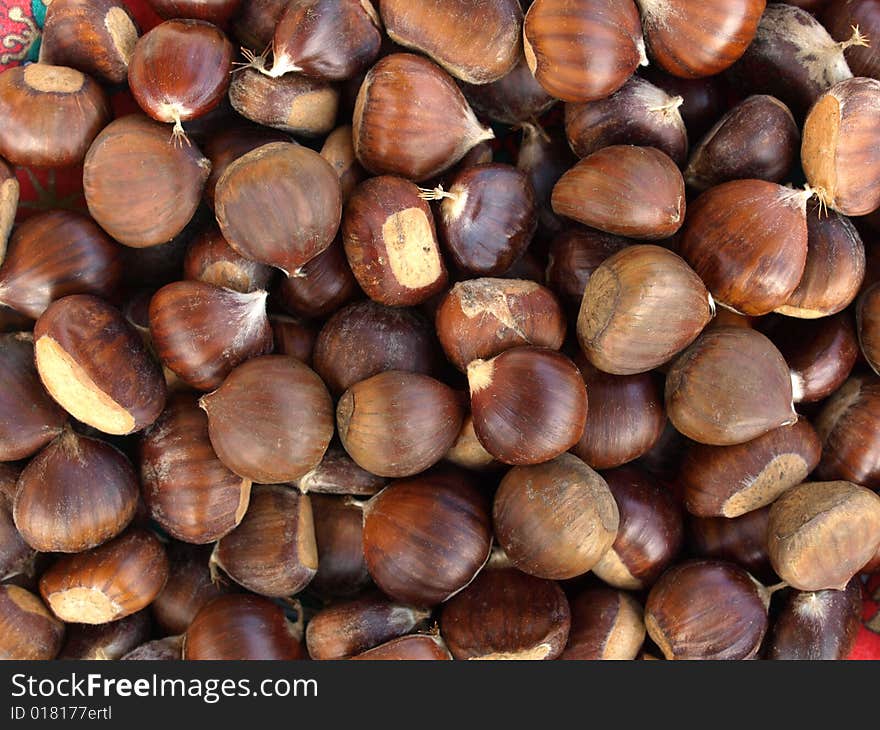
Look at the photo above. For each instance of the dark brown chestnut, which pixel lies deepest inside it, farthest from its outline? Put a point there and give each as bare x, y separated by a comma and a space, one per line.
338, 150
636, 192
321, 286
529, 404
515, 98
211, 260
218, 12
868, 318
821, 534
729, 481
338, 474
272, 419
105, 642
293, 337
555, 520
705, 99
605, 624
544, 159
95, 365
425, 647
481, 318
426, 538
396, 423
108, 582
741, 540
254, 24
339, 529
186, 488
28, 630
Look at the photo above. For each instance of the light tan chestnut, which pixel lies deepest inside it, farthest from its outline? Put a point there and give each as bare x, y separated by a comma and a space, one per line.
9, 192
338, 150
605, 624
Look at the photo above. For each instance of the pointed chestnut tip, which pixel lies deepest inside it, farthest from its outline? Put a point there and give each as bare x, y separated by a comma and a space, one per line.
479, 374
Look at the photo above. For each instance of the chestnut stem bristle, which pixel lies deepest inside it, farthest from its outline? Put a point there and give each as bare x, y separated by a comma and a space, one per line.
437, 193
479, 374
857, 39
669, 107
178, 134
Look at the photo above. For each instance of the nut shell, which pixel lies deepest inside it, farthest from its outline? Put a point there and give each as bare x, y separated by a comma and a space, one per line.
29, 631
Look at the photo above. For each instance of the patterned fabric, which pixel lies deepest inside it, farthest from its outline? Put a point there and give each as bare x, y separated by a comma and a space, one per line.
20, 24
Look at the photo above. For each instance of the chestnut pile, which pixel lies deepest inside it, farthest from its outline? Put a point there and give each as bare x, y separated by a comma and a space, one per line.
322, 374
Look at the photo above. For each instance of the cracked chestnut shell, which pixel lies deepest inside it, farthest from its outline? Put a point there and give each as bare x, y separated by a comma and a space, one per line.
605, 624
28, 630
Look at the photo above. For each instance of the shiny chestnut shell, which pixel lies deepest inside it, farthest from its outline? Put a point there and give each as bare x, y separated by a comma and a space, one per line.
29, 631
605, 624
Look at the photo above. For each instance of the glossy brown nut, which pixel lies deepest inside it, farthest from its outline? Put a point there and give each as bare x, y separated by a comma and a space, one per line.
756, 139
705, 99
211, 260
868, 319
707, 609
636, 192
638, 113
840, 146
29, 631
96, 37
391, 242
840, 18
529, 404
389, 139
342, 630
291, 103
338, 150
729, 387
106, 642
650, 533
108, 582
272, 551
818, 626
505, 614
51, 113
729, 481
338, 474
272, 419
29, 418
186, 488
741, 540
605, 624
847, 426
747, 239
513, 99
254, 24
641, 307
342, 570
54, 254
583, 51
426, 538
625, 418
425, 647
481, 318
9, 191
293, 337
821, 534
201, 332
140, 188
555, 520
94, 364
279, 204
320, 287
544, 159
396, 424
166, 650
242, 627
218, 12
468, 453
75, 494
16, 556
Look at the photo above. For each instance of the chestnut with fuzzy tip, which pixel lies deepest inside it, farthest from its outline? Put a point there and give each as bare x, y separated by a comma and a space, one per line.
28, 630
294, 337
868, 319
839, 19
605, 624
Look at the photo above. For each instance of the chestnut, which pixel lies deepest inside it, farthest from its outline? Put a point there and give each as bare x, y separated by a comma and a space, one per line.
515, 98
339, 529
272, 419
747, 239
605, 624
321, 286
338, 474
28, 630
16, 556
729, 387
391, 242
201, 332
94, 364
272, 551
741, 540
756, 139
707, 609
839, 147
840, 18
166, 83
9, 191
242, 627
106, 642
529, 404
51, 114
186, 488
54, 254
254, 24
426, 647
168, 649
704, 99
467, 452
505, 614
338, 150
390, 140
396, 423
583, 51
650, 533
108, 582
29, 418
293, 103
344, 629
638, 113
641, 306
695, 40
96, 37
821, 534
218, 12
819, 625
211, 260
75, 494
636, 192
544, 159
426, 538
279, 204
481, 318
869, 325
555, 520
293, 337
140, 189
729, 481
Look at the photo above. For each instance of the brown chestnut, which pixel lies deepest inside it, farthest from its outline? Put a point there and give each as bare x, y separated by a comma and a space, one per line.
106, 642
211, 260
467, 452
515, 98
272, 419
868, 318
555, 520
339, 529
218, 12
338, 474
321, 286
338, 150
27, 629
704, 99
605, 624
16, 556
168, 649
293, 337
544, 159
839, 19
426, 647
254, 24
741, 540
